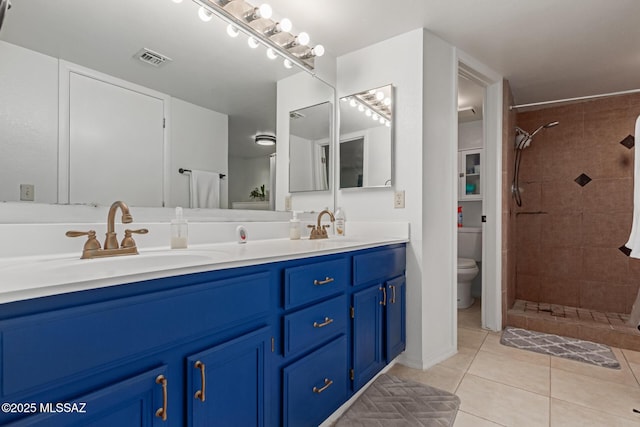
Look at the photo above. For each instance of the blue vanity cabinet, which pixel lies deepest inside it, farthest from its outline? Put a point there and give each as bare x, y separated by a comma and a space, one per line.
378, 311
314, 369
132, 402
62, 355
226, 383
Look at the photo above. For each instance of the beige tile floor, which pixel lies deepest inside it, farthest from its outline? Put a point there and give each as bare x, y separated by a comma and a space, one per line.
504, 386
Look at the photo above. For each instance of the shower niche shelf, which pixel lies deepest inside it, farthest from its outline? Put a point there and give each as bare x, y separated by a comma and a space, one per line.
470, 174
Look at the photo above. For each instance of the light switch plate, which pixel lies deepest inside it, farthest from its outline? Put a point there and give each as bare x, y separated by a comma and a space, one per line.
287, 202
27, 192
398, 199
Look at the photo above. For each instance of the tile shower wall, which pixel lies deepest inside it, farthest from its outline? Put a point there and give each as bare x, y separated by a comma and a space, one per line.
577, 202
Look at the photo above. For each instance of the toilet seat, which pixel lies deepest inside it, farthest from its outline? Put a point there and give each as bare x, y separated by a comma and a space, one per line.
464, 263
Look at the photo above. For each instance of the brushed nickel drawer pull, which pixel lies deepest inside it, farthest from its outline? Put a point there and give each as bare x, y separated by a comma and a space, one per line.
323, 324
200, 393
327, 384
162, 412
323, 282
384, 295
393, 294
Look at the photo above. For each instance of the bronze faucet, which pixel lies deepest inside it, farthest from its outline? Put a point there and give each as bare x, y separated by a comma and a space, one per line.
320, 231
92, 248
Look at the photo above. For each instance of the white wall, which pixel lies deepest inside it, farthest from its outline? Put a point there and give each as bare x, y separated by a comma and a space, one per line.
299, 91
29, 139
470, 135
28, 123
301, 162
423, 70
245, 175
199, 140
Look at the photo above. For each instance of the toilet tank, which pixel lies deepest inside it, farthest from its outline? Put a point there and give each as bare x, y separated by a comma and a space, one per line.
470, 243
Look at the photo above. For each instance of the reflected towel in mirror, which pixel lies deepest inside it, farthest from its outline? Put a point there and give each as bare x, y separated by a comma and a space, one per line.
204, 189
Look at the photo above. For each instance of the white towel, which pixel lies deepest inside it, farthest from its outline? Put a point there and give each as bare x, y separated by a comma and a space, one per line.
634, 237
204, 189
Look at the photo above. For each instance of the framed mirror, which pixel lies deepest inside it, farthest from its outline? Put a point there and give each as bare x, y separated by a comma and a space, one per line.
310, 148
366, 138
202, 94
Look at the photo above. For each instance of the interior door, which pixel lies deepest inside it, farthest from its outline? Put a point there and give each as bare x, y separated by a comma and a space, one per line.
116, 144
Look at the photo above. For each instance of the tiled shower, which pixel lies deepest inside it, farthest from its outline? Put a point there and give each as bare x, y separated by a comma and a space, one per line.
564, 246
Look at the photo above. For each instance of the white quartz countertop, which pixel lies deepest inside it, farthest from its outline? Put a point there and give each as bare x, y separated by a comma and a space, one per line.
38, 276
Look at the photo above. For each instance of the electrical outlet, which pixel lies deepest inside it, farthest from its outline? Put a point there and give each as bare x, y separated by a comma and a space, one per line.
27, 192
287, 202
398, 199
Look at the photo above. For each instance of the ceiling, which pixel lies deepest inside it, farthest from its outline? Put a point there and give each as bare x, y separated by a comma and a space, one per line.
547, 49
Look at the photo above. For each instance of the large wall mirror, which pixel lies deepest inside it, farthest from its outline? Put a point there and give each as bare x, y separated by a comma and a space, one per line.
197, 102
310, 148
366, 138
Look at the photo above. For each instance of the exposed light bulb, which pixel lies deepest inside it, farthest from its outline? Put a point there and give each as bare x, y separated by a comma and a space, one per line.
232, 31
303, 39
265, 11
381, 120
379, 96
361, 108
387, 101
372, 91
367, 113
253, 43
387, 124
177, 1
285, 25
375, 117
205, 14
318, 50
345, 99
271, 54
288, 64
353, 103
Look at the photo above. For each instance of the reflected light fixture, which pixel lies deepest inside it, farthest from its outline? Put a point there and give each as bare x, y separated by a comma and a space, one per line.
288, 64
264, 139
177, 1
205, 14
257, 23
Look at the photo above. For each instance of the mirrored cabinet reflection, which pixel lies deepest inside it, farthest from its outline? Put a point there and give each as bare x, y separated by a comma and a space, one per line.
470, 174
366, 138
310, 148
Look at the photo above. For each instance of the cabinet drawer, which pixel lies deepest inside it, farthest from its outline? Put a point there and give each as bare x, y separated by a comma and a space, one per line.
378, 265
311, 282
47, 350
315, 324
316, 386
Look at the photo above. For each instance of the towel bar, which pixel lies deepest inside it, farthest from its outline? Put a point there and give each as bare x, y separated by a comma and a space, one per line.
182, 170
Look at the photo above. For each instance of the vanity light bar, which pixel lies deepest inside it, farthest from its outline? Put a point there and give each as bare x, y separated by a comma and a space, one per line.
370, 103
263, 30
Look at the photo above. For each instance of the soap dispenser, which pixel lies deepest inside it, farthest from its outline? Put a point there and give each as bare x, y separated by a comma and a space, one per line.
179, 231
294, 227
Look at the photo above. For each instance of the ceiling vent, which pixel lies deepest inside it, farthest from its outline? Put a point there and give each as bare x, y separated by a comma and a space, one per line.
150, 57
295, 115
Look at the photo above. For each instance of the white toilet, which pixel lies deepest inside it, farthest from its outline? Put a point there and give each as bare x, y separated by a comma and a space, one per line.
469, 251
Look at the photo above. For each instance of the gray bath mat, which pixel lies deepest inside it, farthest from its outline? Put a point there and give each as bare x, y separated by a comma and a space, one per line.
394, 402
556, 345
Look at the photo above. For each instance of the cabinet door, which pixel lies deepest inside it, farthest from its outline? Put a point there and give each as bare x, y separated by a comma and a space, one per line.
396, 327
367, 335
138, 401
226, 383
470, 171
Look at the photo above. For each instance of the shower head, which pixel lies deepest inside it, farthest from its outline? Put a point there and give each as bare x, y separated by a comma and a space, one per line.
524, 138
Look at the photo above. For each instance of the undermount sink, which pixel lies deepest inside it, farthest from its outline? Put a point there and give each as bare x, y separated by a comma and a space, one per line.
70, 269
